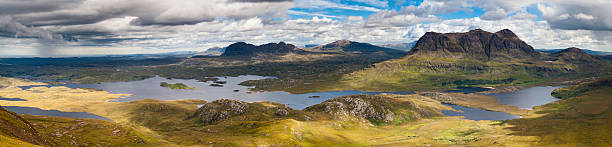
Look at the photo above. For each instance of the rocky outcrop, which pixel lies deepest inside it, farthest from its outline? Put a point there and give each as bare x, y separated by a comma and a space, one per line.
476, 44
218, 110
12, 125
373, 108
245, 49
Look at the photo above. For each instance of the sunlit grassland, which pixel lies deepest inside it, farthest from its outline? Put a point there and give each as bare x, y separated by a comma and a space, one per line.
84, 132
416, 72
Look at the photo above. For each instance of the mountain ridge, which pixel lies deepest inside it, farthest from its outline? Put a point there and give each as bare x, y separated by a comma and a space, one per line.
476, 43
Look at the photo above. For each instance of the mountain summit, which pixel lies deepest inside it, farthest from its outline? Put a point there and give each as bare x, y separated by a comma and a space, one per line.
476, 43
351, 46
245, 49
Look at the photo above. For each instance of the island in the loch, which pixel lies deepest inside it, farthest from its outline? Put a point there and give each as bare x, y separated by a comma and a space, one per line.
175, 85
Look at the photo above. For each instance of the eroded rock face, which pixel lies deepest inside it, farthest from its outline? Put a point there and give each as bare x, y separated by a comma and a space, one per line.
373, 108
219, 110
476, 44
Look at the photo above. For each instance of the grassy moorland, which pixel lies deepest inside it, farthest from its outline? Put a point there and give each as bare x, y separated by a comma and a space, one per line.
388, 120
417, 72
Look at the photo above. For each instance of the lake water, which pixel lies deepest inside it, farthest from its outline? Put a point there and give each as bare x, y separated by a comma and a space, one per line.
11, 99
149, 88
527, 98
37, 111
477, 113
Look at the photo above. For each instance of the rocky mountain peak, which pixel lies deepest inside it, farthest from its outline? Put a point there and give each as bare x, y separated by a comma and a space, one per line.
478, 44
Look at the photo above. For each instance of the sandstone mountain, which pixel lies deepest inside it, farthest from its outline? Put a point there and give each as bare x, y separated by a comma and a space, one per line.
476, 44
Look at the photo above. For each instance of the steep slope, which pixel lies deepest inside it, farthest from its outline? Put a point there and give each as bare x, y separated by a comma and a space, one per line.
477, 44
475, 58
15, 127
245, 49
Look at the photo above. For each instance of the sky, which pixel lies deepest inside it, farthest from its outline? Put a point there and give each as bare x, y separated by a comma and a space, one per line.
57, 28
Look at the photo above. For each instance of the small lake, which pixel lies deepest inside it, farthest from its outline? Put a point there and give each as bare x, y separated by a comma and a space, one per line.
527, 98
37, 111
11, 99
150, 88
477, 113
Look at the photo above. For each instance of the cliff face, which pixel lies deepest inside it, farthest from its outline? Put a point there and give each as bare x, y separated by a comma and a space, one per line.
245, 49
476, 44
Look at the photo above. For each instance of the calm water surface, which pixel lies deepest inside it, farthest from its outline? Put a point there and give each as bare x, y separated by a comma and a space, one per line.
477, 113
11, 99
527, 98
37, 111
149, 88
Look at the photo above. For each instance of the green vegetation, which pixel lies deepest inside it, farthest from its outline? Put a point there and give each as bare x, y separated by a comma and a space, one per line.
576, 90
175, 86
14, 130
417, 72
235, 123
581, 120
84, 132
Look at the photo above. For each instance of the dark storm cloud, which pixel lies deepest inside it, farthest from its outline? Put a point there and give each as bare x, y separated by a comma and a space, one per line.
8, 7
148, 12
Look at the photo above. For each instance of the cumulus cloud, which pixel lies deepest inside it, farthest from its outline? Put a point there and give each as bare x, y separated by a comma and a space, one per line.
494, 15
573, 15
151, 26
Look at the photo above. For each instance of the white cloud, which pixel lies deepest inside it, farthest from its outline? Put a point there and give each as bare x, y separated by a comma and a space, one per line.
573, 15
322, 4
494, 15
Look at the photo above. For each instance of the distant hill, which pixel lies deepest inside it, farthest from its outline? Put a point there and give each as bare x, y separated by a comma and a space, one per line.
592, 52
245, 49
474, 59
351, 47
400, 46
